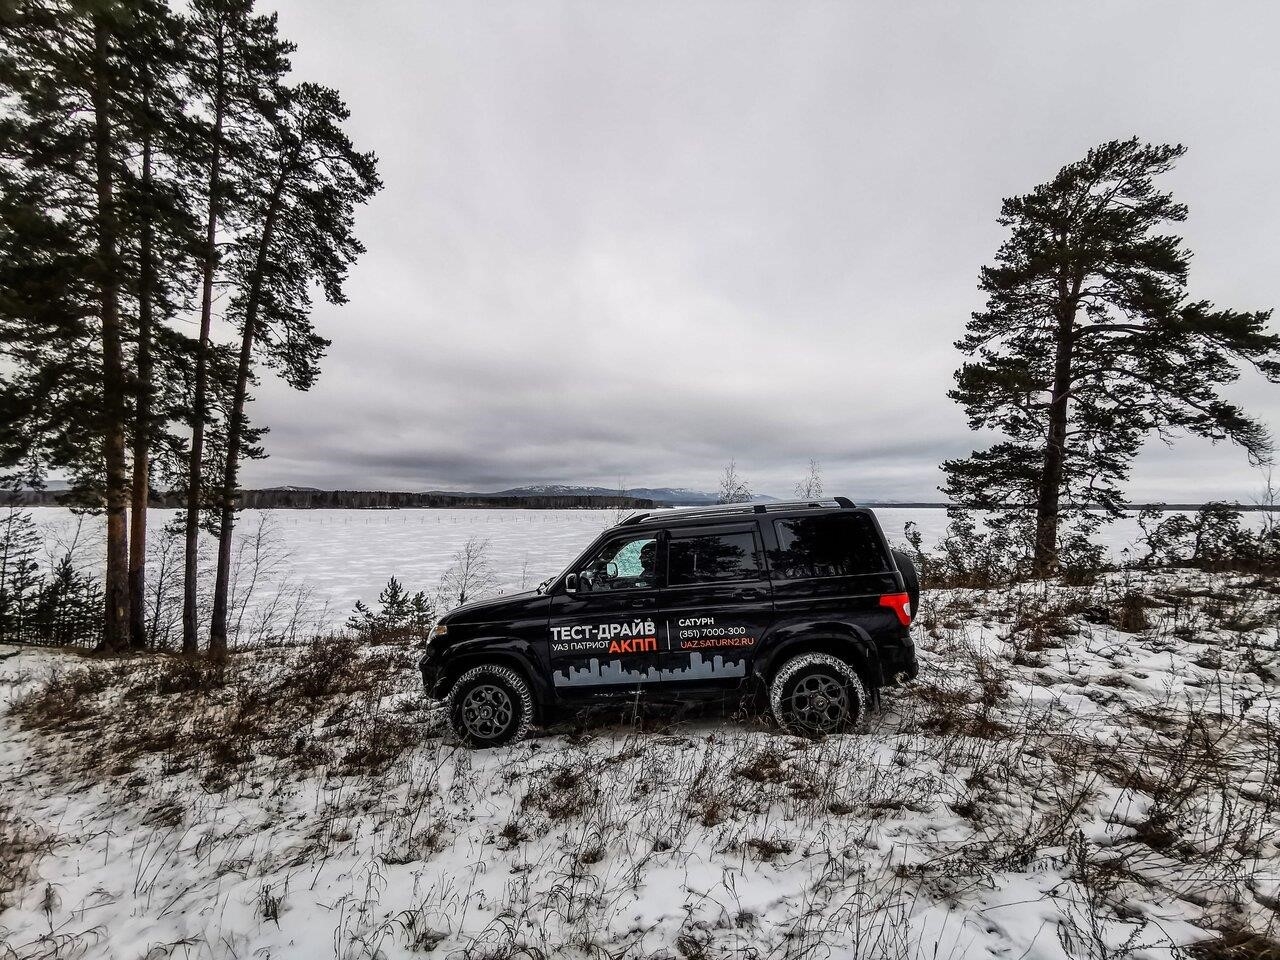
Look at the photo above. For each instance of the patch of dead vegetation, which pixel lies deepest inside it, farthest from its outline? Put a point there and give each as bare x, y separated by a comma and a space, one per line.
21, 844
561, 792
1236, 945
301, 708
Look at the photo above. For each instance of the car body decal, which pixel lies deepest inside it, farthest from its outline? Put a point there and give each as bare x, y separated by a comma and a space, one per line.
614, 652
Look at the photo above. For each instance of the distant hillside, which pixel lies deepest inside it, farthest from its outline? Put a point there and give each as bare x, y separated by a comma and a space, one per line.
673, 496
301, 498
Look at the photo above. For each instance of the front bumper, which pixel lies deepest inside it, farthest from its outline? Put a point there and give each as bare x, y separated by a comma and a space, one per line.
432, 674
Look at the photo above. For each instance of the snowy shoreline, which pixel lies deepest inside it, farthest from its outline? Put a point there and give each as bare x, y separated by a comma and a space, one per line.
341, 556
1052, 786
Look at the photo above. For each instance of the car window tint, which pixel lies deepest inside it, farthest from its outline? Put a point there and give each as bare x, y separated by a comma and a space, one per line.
712, 558
628, 563
831, 546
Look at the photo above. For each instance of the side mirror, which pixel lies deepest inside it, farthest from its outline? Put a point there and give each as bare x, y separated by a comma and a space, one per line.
571, 583
611, 571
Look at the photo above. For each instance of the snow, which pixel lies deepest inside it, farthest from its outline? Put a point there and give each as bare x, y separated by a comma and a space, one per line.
342, 556
1010, 803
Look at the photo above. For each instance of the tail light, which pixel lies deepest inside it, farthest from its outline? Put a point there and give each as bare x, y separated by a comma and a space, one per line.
900, 603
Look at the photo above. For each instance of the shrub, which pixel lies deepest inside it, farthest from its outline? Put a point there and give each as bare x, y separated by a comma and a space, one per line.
1132, 617
997, 550
399, 617
62, 607
1214, 538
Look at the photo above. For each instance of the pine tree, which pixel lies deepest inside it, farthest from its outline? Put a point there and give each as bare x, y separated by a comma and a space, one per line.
67, 609
1089, 344
300, 234
399, 612
94, 234
236, 63
19, 574
158, 224
62, 67
140, 492
103, 78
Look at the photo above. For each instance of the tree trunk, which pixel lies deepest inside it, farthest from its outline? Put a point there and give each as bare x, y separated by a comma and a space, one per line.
1045, 558
222, 582
142, 420
200, 403
115, 635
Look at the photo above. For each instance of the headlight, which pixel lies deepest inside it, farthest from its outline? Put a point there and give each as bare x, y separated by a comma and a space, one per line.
439, 630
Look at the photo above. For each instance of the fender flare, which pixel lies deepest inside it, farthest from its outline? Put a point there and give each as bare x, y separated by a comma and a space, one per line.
847, 641
517, 654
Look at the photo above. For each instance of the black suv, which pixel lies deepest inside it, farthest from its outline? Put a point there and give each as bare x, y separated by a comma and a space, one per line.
803, 601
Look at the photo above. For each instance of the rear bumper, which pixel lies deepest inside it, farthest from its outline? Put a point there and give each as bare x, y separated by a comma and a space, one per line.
898, 664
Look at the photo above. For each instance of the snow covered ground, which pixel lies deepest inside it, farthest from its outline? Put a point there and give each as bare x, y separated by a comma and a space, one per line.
1079, 772
341, 556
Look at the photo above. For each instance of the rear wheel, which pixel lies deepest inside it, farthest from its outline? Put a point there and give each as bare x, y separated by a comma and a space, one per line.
815, 694
490, 705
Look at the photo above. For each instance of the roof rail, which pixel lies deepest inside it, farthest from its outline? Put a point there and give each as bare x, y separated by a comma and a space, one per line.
843, 502
731, 508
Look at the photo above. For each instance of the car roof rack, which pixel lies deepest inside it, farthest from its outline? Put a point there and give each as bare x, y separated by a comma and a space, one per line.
729, 509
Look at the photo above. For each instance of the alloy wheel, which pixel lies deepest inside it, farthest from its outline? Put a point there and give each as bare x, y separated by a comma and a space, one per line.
819, 703
487, 711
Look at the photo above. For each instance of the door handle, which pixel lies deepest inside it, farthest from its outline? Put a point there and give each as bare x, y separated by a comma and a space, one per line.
638, 604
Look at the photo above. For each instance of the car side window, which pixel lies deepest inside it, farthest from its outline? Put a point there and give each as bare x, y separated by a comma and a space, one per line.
830, 546
625, 563
712, 558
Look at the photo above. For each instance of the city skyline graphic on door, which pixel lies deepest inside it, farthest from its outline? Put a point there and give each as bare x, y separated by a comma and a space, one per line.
591, 654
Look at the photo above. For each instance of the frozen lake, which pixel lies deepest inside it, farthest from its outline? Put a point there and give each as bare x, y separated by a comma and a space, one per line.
341, 556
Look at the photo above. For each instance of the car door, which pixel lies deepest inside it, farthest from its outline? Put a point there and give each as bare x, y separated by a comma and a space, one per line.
603, 629
716, 604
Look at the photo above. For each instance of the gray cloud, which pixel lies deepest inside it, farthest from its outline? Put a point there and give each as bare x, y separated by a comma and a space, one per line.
640, 239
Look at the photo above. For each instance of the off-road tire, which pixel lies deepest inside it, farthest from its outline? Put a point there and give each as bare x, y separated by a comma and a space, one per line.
490, 706
815, 694
910, 579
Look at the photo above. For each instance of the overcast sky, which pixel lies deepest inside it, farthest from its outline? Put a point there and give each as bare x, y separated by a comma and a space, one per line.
639, 239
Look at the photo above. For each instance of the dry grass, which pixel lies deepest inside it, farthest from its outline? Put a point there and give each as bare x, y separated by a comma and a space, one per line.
302, 707
1034, 729
21, 843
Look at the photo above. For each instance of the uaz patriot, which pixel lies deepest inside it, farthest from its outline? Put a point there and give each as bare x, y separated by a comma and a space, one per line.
801, 601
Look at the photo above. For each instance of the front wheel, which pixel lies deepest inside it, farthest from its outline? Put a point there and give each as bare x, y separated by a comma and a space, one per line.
816, 694
490, 705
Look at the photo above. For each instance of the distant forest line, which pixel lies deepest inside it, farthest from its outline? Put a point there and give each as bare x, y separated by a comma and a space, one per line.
270, 499
296, 499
